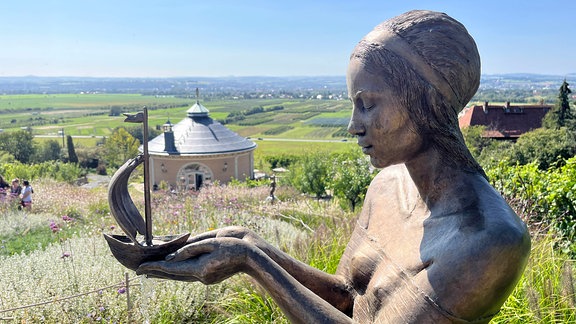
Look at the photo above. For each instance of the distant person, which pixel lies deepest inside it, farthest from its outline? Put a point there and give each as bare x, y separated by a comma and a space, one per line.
15, 188
3, 187
26, 198
3, 183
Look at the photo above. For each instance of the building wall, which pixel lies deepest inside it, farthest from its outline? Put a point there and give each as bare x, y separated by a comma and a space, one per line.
223, 167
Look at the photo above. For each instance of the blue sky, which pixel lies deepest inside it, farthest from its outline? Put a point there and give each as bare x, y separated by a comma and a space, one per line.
167, 38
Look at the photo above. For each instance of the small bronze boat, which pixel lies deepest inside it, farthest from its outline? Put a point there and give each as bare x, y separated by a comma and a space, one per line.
127, 249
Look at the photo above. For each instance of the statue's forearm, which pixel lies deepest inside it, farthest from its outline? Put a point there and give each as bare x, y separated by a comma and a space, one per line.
334, 289
299, 303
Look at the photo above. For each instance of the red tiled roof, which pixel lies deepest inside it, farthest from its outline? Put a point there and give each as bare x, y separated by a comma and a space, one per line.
509, 121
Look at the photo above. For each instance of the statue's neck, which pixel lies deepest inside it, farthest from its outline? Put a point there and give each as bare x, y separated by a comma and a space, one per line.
436, 181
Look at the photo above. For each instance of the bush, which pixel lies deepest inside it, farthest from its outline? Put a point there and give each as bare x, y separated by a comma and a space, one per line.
548, 147
310, 174
541, 197
56, 170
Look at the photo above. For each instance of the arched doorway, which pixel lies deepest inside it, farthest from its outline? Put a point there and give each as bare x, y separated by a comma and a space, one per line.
192, 176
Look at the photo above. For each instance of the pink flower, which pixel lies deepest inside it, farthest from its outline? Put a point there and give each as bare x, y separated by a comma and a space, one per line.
112, 227
67, 218
65, 255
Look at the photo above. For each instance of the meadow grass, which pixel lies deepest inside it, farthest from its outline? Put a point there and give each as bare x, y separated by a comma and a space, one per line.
77, 262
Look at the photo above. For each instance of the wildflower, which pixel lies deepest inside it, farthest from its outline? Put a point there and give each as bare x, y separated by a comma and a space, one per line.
54, 226
65, 255
112, 227
122, 290
67, 218
102, 308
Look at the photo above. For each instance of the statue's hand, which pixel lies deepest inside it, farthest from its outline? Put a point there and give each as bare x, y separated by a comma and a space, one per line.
238, 232
209, 261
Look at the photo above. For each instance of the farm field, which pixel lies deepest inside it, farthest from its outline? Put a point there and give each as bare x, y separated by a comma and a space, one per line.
86, 117
89, 114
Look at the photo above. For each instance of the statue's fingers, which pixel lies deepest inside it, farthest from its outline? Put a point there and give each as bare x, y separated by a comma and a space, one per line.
192, 250
166, 270
152, 267
203, 236
162, 275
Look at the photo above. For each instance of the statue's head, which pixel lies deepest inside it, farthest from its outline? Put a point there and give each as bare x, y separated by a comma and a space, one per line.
427, 51
431, 65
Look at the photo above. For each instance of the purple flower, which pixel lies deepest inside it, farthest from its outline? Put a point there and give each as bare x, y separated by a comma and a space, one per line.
122, 290
54, 226
112, 227
67, 218
102, 308
65, 255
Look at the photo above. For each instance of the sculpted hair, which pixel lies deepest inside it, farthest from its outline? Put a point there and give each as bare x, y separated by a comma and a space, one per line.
431, 62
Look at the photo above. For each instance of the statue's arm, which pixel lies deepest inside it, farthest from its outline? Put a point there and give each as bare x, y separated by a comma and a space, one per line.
303, 298
335, 289
215, 259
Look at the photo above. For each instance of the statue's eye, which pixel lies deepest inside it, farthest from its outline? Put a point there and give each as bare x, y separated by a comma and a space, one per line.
368, 105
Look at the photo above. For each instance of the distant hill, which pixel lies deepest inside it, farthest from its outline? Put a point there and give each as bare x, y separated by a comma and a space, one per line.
256, 84
525, 81
32, 84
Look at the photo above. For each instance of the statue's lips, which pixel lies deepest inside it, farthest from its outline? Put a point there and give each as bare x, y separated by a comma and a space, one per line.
366, 148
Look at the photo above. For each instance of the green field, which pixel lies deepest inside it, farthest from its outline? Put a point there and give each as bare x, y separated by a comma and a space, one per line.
86, 118
88, 114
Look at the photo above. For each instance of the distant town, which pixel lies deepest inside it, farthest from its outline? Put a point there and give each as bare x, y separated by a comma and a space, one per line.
523, 88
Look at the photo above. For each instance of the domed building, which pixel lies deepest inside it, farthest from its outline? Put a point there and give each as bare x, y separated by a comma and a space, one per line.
197, 151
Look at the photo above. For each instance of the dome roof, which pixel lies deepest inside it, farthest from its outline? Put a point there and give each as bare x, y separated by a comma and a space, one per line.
197, 110
200, 134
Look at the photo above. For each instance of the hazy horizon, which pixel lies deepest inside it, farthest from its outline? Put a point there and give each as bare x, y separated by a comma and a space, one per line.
166, 39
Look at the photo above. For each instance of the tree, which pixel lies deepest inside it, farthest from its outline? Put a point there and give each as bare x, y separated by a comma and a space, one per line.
119, 147
547, 147
136, 132
351, 176
310, 174
561, 115
19, 144
474, 140
72, 157
47, 151
284, 160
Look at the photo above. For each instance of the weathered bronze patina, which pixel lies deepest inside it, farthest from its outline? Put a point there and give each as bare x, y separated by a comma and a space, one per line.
434, 243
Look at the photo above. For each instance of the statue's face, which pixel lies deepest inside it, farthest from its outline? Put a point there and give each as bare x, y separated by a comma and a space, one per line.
383, 127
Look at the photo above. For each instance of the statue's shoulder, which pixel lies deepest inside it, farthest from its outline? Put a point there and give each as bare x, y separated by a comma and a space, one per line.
479, 252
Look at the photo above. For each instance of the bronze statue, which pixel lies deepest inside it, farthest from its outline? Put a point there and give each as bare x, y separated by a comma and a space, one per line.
434, 243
